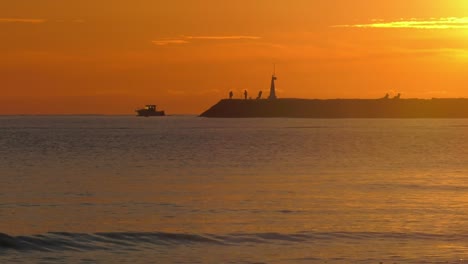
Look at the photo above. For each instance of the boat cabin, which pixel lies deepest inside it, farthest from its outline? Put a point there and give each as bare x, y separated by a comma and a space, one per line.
150, 107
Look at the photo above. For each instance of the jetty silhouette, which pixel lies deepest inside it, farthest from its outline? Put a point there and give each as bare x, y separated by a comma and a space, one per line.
385, 107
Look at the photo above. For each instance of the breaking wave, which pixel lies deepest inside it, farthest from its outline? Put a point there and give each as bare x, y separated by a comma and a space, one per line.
62, 241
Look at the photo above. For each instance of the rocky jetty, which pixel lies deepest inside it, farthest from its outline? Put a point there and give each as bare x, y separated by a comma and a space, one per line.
385, 107
340, 108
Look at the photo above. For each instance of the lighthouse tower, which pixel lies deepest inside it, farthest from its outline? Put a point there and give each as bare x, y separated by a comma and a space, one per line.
272, 87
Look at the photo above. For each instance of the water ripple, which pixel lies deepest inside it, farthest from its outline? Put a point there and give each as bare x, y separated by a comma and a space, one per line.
63, 241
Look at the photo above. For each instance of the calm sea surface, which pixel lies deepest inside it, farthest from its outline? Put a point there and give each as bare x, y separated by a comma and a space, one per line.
87, 189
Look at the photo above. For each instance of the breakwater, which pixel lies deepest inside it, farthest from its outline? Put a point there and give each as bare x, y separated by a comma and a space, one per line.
340, 108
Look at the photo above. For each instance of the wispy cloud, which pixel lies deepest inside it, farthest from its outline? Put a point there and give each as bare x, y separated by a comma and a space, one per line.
223, 37
189, 39
22, 20
169, 42
414, 23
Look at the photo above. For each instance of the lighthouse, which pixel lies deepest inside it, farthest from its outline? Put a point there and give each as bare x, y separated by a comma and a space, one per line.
272, 86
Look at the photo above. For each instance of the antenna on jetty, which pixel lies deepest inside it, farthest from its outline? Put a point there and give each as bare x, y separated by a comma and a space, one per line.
272, 86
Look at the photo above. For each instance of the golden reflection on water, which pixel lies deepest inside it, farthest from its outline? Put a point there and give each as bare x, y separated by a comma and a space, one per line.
388, 186
251, 204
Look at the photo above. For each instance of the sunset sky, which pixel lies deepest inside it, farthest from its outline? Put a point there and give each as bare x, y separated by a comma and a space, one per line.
113, 56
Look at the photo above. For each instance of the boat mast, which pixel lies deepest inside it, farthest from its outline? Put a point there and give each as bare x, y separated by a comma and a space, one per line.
272, 86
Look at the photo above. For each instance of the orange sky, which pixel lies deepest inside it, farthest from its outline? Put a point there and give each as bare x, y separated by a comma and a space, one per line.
112, 56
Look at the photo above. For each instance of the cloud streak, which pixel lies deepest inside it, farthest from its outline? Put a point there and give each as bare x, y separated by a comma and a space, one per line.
413, 23
189, 39
169, 42
22, 20
223, 37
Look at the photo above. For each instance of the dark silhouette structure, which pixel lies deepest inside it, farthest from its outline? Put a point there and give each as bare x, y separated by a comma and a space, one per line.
231, 94
259, 95
272, 88
341, 108
149, 110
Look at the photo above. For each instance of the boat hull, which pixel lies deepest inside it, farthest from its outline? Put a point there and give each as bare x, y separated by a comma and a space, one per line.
148, 113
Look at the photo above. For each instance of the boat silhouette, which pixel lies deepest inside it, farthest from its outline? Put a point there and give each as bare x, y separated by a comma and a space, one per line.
149, 110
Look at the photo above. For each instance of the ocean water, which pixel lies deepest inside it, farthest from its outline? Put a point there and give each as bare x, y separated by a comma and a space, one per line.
122, 189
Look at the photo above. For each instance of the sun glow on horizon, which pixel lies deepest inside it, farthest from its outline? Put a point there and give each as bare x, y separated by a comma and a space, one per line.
112, 56
414, 23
